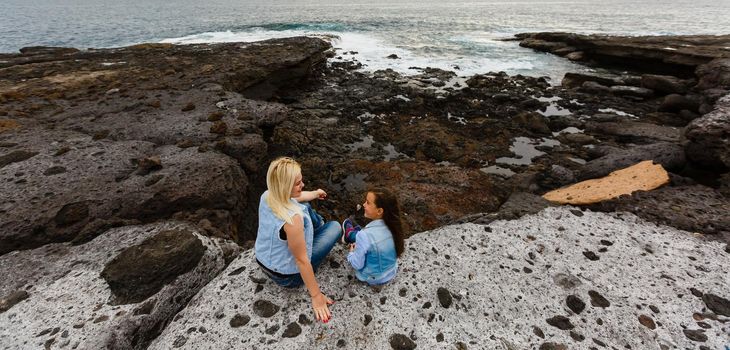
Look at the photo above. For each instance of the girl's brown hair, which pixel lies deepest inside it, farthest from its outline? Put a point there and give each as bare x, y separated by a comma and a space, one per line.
385, 200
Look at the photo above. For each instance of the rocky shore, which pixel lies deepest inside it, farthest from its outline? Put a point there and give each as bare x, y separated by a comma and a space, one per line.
130, 179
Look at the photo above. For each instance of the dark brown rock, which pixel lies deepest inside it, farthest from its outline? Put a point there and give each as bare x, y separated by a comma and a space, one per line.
676, 103
15, 156
697, 335
239, 320
444, 297
148, 165
560, 322
8, 301
708, 143
669, 155
647, 321
553, 346
54, 170
665, 84
717, 304
292, 330
142, 270
219, 127
598, 300
265, 308
401, 342
575, 304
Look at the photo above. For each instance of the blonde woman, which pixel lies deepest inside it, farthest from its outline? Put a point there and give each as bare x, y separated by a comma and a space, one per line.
292, 239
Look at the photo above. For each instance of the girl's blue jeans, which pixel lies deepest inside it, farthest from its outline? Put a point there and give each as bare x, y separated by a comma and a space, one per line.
326, 235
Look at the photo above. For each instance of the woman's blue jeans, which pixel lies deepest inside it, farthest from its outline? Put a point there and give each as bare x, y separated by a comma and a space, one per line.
326, 235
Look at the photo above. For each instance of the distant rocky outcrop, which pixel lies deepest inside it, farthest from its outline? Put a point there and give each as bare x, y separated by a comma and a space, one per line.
564, 276
662, 54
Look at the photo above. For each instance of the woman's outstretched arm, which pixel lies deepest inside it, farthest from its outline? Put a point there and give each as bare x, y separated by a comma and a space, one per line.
307, 196
298, 248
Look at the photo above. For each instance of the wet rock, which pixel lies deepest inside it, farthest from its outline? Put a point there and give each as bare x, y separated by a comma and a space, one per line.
292, 330
533, 121
576, 56
598, 300
576, 138
647, 321
622, 90
669, 155
560, 322
573, 80
575, 304
401, 342
717, 304
665, 84
265, 308
594, 88
444, 297
708, 144
676, 103
240, 320
8, 301
140, 271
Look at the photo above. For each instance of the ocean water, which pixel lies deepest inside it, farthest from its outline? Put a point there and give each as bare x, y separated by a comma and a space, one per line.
460, 35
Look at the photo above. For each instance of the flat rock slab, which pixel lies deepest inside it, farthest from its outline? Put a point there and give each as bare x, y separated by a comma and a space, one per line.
669, 155
644, 176
637, 132
69, 305
463, 287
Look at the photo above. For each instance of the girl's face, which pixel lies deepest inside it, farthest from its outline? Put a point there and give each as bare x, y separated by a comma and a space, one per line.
371, 210
296, 190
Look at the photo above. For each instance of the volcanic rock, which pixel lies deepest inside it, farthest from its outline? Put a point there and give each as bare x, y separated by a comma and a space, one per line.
708, 144
669, 155
64, 288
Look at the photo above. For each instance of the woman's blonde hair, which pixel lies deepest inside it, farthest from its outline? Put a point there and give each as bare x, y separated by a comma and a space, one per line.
280, 179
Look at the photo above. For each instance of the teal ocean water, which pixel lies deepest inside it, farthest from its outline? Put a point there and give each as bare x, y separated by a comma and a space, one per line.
460, 35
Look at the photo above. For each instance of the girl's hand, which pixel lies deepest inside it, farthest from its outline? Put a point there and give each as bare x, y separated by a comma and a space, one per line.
319, 304
321, 194
352, 246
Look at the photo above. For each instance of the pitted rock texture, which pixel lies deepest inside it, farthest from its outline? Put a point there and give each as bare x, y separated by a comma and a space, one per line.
101, 188
69, 305
709, 143
669, 155
644, 269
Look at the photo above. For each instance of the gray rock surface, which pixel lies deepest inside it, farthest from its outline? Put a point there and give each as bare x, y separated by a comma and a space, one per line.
694, 208
69, 305
77, 187
709, 144
665, 84
669, 155
506, 288
638, 132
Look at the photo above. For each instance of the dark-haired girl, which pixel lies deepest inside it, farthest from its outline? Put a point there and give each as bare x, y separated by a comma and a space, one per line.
374, 249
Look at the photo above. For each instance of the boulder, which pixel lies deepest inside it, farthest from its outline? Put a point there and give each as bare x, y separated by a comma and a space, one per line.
669, 155
594, 88
714, 75
101, 187
478, 272
676, 103
643, 176
533, 121
665, 84
556, 176
79, 296
709, 145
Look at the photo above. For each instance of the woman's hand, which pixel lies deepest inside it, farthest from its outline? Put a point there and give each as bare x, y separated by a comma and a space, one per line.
352, 247
319, 304
321, 194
